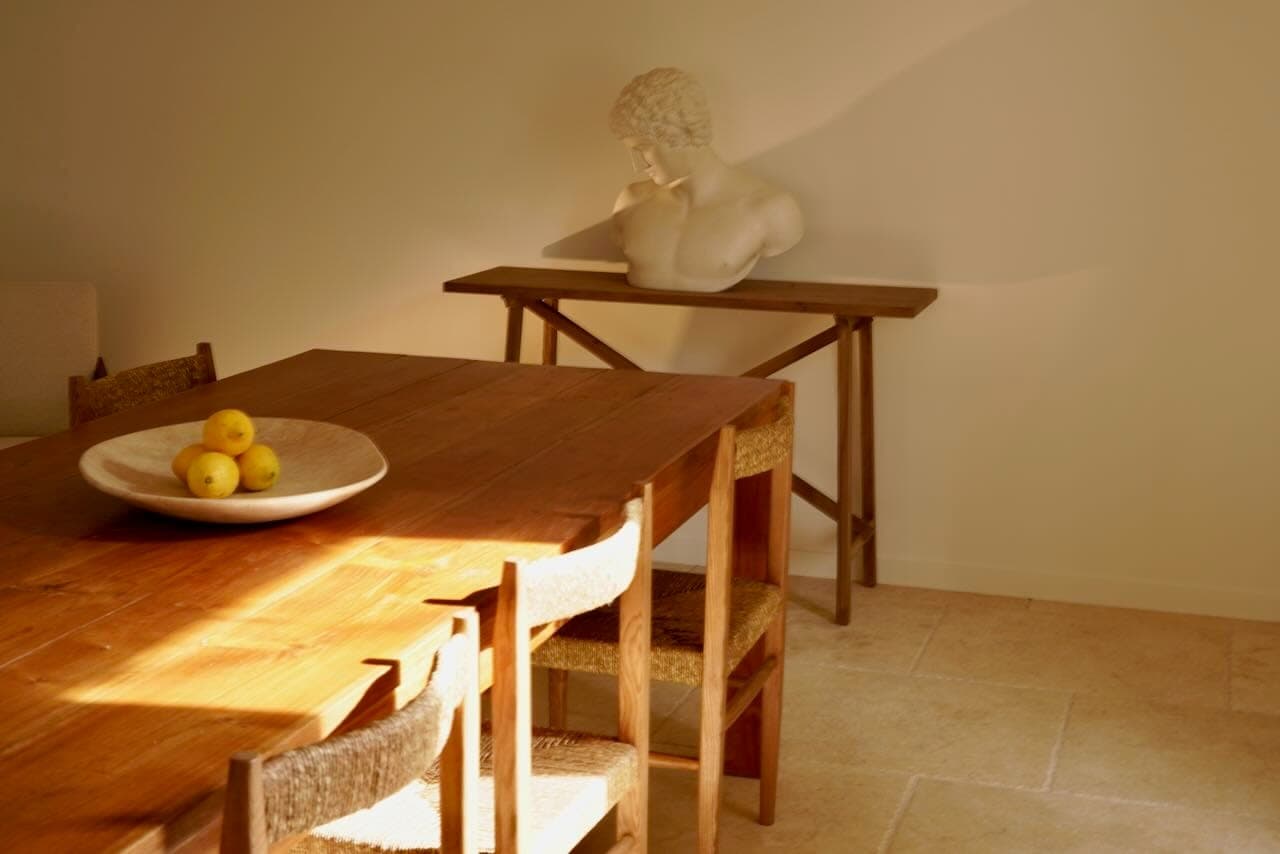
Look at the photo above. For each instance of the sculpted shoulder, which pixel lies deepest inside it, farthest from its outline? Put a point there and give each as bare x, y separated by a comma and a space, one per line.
634, 194
784, 224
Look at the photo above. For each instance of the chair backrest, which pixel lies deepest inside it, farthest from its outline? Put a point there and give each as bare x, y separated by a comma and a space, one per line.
759, 449
309, 786
550, 590
95, 398
47, 331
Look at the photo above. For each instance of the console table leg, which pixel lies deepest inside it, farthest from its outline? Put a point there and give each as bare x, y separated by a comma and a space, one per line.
515, 326
867, 431
845, 551
549, 340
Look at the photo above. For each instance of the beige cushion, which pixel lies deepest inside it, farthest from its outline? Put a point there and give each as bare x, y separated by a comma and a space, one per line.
48, 331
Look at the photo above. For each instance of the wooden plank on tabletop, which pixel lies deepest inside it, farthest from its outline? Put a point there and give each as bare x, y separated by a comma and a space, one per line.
583, 471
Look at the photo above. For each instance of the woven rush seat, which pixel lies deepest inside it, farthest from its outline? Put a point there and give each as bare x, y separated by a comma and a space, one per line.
589, 642
759, 449
577, 778
94, 398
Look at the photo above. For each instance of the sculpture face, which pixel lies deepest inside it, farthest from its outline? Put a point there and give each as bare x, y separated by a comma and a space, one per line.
663, 164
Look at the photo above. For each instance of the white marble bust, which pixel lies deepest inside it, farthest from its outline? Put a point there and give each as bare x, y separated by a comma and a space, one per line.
696, 223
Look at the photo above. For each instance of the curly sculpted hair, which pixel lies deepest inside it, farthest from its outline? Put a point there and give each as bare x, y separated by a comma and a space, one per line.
666, 106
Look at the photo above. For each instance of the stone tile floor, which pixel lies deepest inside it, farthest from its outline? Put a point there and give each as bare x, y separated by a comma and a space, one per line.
952, 722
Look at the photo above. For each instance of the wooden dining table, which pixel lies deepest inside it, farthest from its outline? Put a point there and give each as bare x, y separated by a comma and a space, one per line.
138, 652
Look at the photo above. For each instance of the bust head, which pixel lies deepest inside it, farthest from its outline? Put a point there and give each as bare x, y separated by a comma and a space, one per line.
661, 115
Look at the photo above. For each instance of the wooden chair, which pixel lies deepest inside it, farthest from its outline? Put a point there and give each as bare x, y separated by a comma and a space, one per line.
373, 783
692, 646
105, 394
551, 786
539, 790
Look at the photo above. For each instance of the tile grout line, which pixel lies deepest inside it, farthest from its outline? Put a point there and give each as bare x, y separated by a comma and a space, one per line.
1171, 805
1069, 793
1057, 745
667, 718
899, 814
1231, 648
915, 662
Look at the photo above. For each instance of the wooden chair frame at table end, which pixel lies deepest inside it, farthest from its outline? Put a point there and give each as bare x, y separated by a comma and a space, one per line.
244, 829
855, 528
512, 700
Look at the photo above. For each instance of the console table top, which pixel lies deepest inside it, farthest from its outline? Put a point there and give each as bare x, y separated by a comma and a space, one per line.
534, 283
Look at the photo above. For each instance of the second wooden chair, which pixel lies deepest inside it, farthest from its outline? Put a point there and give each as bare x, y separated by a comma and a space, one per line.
106, 394
692, 643
373, 785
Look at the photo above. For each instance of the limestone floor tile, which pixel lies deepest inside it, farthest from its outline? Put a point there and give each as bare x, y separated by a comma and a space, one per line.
957, 818
883, 636
821, 807
907, 724
1191, 756
593, 702
1255, 671
1096, 650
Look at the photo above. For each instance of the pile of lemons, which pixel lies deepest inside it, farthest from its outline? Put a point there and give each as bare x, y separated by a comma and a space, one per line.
226, 458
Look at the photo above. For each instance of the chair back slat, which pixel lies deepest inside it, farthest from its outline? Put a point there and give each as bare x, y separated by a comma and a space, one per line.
310, 786
91, 399
566, 585
533, 594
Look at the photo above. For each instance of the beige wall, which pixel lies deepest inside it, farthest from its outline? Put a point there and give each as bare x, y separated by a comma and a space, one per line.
1090, 411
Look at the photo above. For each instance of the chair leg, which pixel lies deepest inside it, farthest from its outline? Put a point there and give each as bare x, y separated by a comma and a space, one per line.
557, 698
710, 764
771, 723
715, 652
774, 641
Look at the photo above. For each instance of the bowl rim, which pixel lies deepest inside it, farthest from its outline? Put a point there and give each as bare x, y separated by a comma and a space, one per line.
250, 501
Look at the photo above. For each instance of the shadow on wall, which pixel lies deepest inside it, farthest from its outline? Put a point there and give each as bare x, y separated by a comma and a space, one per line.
1048, 142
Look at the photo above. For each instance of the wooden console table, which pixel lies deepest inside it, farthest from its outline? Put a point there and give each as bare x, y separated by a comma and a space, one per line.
853, 307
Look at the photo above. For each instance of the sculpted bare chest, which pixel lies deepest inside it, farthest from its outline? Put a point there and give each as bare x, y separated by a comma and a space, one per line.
669, 244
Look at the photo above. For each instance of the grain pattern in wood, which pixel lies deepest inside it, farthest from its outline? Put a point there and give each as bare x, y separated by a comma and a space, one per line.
272, 636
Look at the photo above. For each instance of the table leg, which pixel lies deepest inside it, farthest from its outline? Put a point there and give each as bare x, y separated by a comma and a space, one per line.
867, 445
845, 551
549, 338
761, 551
515, 326
750, 560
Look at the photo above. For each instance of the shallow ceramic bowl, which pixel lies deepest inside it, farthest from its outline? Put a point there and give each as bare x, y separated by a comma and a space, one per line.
320, 465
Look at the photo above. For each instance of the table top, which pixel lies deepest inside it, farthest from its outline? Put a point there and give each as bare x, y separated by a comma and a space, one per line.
137, 652
752, 294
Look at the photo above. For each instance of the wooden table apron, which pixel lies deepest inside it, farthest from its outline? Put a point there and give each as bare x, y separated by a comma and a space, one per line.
852, 308
138, 652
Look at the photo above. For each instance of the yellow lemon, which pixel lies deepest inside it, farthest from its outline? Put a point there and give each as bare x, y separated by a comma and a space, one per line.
259, 468
182, 461
213, 475
229, 431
